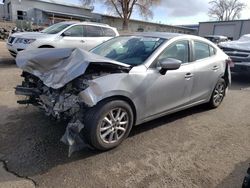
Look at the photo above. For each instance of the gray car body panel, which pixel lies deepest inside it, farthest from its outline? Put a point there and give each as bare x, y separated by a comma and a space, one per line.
152, 94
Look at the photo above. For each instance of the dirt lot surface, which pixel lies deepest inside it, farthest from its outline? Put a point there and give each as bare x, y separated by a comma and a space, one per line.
194, 148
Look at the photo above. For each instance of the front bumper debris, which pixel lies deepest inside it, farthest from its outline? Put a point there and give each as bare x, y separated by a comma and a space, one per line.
58, 104
72, 137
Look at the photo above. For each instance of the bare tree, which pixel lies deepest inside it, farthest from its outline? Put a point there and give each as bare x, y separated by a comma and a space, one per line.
225, 10
125, 8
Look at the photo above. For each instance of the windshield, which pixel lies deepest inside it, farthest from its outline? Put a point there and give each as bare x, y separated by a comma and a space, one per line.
56, 28
132, 50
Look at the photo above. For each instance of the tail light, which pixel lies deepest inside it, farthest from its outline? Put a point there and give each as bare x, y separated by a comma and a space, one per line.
230, 62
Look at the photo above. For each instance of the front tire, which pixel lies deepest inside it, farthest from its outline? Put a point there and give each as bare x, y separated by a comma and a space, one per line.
107, 124
218, 94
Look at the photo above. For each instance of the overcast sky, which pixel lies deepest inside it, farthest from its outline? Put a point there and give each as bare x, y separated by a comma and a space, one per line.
174, 12
178, 12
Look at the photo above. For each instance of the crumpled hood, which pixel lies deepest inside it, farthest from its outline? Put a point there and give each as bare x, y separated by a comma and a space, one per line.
57, 67
237, 44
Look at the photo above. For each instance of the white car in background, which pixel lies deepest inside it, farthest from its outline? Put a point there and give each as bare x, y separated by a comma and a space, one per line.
85, 35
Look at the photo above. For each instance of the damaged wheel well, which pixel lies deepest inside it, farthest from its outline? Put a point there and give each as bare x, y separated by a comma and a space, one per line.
46, 46
225, 76
124, 98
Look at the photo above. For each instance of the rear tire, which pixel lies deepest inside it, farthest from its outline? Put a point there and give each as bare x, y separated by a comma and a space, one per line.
107, 124
218, 94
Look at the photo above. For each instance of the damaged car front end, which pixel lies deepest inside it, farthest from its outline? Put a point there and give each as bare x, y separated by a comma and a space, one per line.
60, 97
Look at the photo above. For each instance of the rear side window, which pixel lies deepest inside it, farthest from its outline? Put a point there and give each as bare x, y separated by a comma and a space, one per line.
212, 51
203, 50
107, 32
93, 31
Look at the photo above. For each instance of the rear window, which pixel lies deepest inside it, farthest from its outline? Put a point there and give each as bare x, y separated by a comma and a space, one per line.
107, 32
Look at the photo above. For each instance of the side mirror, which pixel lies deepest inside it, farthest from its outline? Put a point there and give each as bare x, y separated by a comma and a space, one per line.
169, 64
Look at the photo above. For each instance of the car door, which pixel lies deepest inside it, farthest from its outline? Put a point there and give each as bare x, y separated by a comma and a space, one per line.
172, 90
72, 37
93, 36
207, 70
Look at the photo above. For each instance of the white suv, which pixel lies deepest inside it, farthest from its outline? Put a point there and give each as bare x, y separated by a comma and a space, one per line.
84, 35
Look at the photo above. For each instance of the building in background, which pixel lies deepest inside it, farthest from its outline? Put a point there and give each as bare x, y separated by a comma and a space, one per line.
1, 10
191, 26
232, 29
140, 26
47, 12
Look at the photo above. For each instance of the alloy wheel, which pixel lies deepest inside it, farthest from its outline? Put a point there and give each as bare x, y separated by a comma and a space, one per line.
219, 93
114, 125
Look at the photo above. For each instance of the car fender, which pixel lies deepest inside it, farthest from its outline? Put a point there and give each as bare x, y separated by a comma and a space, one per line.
117, 85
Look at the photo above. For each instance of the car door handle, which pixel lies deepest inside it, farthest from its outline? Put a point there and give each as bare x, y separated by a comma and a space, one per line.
82, 41
188, 75
215, 67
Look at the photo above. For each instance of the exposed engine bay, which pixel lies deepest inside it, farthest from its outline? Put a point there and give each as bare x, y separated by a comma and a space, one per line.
64, 103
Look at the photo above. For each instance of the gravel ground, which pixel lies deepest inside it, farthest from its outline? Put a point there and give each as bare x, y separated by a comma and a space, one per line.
193, 148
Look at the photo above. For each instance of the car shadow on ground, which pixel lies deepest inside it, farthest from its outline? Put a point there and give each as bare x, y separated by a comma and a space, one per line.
236, 177
7, 63
167, 119
240, 82
30, 142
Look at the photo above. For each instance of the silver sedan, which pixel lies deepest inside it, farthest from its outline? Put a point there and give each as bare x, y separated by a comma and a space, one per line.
124, 82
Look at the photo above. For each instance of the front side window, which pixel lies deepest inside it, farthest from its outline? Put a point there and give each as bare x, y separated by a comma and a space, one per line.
132, 50
178, 50
75, 31
93, 31
201, 50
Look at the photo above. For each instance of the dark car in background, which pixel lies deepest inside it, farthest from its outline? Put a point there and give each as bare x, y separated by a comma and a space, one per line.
239, 52
216, 38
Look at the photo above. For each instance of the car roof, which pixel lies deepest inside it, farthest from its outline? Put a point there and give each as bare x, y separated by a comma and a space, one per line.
164, 35
87, 23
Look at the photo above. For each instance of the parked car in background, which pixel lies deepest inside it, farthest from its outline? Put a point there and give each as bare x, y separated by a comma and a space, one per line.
216, 38
123, 82
239, 52
85, 35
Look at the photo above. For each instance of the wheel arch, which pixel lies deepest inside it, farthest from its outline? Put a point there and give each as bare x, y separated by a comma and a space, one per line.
123, 98
46, 46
